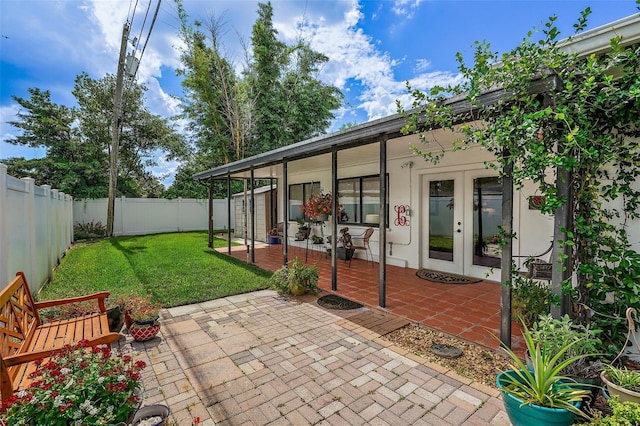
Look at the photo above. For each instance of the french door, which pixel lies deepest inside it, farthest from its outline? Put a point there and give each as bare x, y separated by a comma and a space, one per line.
461, 216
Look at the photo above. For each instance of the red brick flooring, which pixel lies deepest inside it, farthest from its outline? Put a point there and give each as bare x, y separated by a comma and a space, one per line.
469, 311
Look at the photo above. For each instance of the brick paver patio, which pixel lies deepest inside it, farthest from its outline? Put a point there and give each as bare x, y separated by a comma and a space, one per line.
261, 359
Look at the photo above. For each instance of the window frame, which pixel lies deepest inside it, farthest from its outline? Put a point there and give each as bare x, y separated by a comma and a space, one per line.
360, 180
304, 185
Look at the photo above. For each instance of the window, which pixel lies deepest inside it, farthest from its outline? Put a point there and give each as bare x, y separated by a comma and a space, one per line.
360, 200
299, 193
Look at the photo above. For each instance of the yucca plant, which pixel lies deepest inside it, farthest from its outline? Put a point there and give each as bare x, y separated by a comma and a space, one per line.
543, 384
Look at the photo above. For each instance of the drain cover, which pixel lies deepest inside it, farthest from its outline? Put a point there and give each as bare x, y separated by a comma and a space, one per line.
446, 351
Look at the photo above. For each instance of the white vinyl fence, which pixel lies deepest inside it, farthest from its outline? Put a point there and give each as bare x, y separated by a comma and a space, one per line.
36, 229
140, 216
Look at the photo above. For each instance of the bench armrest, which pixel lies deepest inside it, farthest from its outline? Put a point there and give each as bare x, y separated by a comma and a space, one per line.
25, 357
101, 296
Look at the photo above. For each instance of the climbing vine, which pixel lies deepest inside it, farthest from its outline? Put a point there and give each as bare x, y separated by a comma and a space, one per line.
559, 114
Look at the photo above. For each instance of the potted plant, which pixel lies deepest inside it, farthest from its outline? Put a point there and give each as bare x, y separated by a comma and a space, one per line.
142, 316
554, 334
296, 278
303, 230
318, 207
622, 382
541, 395
317, 239
79, 382
345, 250
273, 236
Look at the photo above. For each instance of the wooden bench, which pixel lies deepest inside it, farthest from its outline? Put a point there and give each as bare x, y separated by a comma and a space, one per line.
24, 338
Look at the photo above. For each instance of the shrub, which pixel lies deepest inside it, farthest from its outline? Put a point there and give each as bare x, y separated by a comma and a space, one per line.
89, 230
554, 334
624, 414
531, 299
295, 273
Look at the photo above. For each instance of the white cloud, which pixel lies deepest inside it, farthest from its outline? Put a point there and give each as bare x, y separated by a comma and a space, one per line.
422, 65
354, 57
405, 8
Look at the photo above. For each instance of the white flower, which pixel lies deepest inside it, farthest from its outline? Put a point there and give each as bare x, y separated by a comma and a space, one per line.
58, 401
65, 370
100, 380
22, 394
122, 378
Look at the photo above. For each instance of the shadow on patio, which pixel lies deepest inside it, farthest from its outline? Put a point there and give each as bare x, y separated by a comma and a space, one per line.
468, 311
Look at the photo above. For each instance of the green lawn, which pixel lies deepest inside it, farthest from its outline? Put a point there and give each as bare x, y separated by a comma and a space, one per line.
177, 269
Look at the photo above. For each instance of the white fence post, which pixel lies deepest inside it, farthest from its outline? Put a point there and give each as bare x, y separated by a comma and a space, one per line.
29, 214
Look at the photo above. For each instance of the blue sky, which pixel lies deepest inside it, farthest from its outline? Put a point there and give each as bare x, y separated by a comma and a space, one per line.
373, 46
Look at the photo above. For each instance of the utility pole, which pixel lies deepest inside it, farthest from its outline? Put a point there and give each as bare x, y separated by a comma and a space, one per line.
115, 132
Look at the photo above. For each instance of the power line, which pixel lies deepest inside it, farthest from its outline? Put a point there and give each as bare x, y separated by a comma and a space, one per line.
144, 47
144, 21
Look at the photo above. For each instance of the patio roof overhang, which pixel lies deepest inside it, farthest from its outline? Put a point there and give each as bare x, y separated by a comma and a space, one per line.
364, 134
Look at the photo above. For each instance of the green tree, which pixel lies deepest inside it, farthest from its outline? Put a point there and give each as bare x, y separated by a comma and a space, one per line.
264, 78
185, 186
572, 115
142, 134
291, 103
212, 102
276, 101
71, 166
77, 140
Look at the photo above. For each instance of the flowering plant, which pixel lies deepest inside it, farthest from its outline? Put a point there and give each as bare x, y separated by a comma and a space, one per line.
142, 308
317, 205
77, 385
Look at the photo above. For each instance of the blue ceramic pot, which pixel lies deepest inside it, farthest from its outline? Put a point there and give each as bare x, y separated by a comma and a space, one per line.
532, 415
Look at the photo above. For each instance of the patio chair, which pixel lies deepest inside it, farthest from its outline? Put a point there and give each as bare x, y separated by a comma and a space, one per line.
362, 242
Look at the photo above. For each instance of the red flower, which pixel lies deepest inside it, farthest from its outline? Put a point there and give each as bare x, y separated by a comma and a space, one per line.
317, 205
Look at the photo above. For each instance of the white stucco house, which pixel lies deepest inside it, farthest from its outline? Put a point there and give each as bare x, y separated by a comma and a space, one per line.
443, 217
